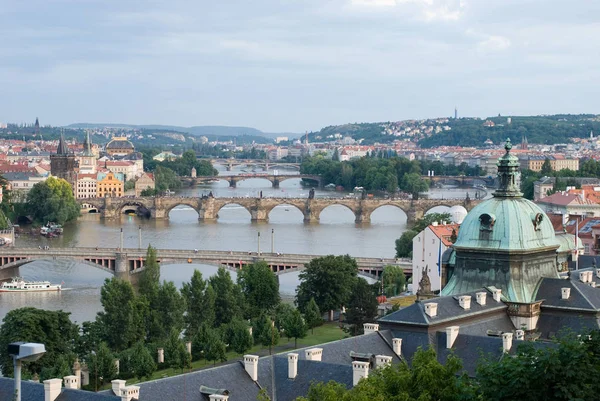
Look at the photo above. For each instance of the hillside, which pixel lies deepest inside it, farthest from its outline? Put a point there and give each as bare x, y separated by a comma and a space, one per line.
467, 131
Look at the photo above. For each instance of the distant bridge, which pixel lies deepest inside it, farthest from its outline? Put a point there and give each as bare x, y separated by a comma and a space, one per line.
461, 180
266, 164
234, 179
259, 208
127, 262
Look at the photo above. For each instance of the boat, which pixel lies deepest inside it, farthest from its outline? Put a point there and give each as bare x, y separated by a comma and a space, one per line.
18, 284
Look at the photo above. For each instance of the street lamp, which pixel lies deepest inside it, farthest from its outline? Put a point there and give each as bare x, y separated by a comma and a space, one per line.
28, 352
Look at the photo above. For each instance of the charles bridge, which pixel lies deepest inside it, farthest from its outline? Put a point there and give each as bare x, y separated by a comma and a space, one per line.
234, 179
126, 263
266, 164
259, 208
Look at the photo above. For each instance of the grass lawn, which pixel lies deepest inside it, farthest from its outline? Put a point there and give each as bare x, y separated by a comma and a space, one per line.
326, 333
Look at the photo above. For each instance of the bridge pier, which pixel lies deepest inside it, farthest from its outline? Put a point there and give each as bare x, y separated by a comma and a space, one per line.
8, 273
275, 183
362, 216
259, 214
232, 182
122, 266
413, 215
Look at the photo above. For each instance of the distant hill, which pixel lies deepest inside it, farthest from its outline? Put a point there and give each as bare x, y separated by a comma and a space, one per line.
203, 130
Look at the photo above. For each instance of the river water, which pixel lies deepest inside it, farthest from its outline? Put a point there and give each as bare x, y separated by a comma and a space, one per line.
336, 233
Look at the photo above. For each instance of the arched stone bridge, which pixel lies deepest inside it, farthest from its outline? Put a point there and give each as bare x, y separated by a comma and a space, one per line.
461, 180
259, 208
234, 179
266, 164
126, 263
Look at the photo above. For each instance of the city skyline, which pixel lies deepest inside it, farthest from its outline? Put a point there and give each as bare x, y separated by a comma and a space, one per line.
293, 67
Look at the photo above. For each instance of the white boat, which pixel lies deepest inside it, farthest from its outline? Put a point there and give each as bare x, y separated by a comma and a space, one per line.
18, 284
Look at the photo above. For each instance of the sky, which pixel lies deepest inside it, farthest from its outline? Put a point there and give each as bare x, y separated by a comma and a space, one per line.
294, 65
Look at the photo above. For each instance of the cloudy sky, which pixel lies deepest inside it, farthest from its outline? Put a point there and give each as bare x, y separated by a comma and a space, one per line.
294, 65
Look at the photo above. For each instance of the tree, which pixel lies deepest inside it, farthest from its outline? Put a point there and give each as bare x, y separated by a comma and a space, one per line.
129, 185
414, 184
294, 326
52, 200
362, 307
165, 178
394, 280
150, 276
54, 329
312, 315
567, 371
260, 287
238, 336
176, 355
226, 303
141, 361
336, 155
122, 320
283, 311
328, 280
167, 312
101, 364
214, 348
268, 335
546, 168
404, 244
200, 303
425, 380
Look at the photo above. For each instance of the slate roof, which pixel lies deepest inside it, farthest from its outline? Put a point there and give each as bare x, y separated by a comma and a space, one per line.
448, 310
272, 373
470, 349
35, 392
582, 297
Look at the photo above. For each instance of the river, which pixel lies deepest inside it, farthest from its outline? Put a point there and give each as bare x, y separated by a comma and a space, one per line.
336, 233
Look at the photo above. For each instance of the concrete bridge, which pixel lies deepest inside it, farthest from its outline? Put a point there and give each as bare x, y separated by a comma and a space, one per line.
127, 263
234, 179
259, 208
265, 164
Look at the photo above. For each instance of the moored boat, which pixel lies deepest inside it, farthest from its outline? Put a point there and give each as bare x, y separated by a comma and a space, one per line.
18, 284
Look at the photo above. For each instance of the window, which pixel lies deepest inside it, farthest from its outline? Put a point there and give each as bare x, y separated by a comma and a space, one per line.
586, 249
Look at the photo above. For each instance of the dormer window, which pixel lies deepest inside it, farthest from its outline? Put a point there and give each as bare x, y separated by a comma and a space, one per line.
537, 221
487, 221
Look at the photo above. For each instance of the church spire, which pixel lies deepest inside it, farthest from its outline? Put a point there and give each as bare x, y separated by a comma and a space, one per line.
87, 145
62, 146
508, 174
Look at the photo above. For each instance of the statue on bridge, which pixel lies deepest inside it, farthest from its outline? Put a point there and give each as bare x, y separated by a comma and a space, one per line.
424, 292
311, 193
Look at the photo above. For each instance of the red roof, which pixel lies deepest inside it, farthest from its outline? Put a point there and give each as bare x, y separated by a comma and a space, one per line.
444, 232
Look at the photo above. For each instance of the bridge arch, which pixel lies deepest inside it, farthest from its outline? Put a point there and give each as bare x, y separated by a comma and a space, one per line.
291, 205
131, 205
402, 208
220, 207
182, 202
25, 261
320, 211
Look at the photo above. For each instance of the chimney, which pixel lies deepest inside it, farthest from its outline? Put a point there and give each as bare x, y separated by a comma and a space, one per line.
565, 293
481, 298
431, 309
465, 302
451, 334
598, 273
583, 277
590, 276
314, 354
520, 335
397, 346
188, 347
382, 361
130, 393
161, 355
507, 339
52, 389
593, 284
370, 328
497, 294
359, 370
71, 382
117, 385
292, 365
218, 397
251, 365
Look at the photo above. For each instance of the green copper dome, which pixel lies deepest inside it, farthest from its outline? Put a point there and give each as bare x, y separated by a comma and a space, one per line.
507, 241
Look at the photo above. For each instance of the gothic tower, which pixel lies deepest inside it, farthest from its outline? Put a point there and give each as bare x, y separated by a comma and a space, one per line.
62, 164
